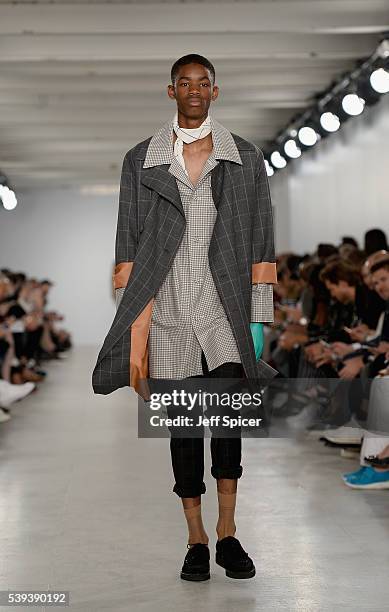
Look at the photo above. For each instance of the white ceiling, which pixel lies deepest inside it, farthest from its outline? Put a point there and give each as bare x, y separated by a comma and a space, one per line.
80, 84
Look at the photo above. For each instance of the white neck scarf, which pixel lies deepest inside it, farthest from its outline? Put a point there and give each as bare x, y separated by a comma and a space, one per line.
188, 135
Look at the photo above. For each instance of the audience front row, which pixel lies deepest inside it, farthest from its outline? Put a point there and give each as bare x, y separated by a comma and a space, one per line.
330, 343
28, 336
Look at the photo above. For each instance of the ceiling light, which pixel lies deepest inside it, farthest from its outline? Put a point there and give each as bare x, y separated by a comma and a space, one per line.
353, 104
277, 160
379, 80
330, 122
291, 149
307, 136
8, 197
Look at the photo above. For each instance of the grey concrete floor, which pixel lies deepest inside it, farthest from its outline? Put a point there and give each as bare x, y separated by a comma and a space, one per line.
88, 507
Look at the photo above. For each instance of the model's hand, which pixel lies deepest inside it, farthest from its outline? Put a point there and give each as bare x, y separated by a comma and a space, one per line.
258, 339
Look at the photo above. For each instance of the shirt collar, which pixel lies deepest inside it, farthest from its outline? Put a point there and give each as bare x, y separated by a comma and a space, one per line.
160, 149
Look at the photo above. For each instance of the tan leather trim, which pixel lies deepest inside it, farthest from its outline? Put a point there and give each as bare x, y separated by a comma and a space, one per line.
139, 351
121, 274
264, 272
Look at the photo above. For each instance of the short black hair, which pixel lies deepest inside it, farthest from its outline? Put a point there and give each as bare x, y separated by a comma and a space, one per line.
375, 240
192, 58
349, 240
325, 250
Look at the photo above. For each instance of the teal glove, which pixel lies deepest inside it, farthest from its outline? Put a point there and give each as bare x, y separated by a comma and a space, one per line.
258, 339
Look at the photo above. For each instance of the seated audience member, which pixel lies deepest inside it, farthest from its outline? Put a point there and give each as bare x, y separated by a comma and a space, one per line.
28, 334
373, 310
344, 285
373, 355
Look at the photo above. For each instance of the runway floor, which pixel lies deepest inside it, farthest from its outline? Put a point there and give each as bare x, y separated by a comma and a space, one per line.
86, 506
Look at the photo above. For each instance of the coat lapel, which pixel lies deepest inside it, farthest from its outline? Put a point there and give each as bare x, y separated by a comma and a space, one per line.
163, 182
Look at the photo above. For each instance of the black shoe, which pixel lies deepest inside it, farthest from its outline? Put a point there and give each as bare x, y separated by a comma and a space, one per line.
235, 560
196, 563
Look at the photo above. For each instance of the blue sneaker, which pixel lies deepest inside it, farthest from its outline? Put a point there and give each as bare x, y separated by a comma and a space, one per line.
352, 475
369, 479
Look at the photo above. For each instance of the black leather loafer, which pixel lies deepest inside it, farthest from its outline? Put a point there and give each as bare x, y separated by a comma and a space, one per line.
196, 563
234, 559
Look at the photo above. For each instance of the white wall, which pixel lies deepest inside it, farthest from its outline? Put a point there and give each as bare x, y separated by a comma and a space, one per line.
68, 238
340, 187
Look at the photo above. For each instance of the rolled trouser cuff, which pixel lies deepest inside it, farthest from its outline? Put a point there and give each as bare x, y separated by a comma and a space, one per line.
227, 472
189, 490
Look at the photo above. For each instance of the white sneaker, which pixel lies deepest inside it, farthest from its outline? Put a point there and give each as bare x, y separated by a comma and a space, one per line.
4, 416
12, 393
344, 435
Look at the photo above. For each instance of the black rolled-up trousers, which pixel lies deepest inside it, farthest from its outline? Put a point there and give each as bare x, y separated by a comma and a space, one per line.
187, 454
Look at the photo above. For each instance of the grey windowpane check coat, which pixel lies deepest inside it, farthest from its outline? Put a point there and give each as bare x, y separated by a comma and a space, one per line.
151, 224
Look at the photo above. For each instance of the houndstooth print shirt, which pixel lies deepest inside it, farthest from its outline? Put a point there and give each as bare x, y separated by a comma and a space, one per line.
188, 316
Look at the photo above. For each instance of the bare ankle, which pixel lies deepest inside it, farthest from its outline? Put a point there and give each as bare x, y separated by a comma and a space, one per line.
225, 530
202, 539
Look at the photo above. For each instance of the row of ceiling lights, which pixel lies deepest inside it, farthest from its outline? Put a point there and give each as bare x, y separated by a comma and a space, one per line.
364, 86
346, 99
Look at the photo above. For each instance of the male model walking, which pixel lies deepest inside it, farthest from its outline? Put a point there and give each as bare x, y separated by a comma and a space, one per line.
194, 275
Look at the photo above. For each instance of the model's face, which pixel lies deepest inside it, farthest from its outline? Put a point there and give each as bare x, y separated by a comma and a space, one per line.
193, 91
380, 280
